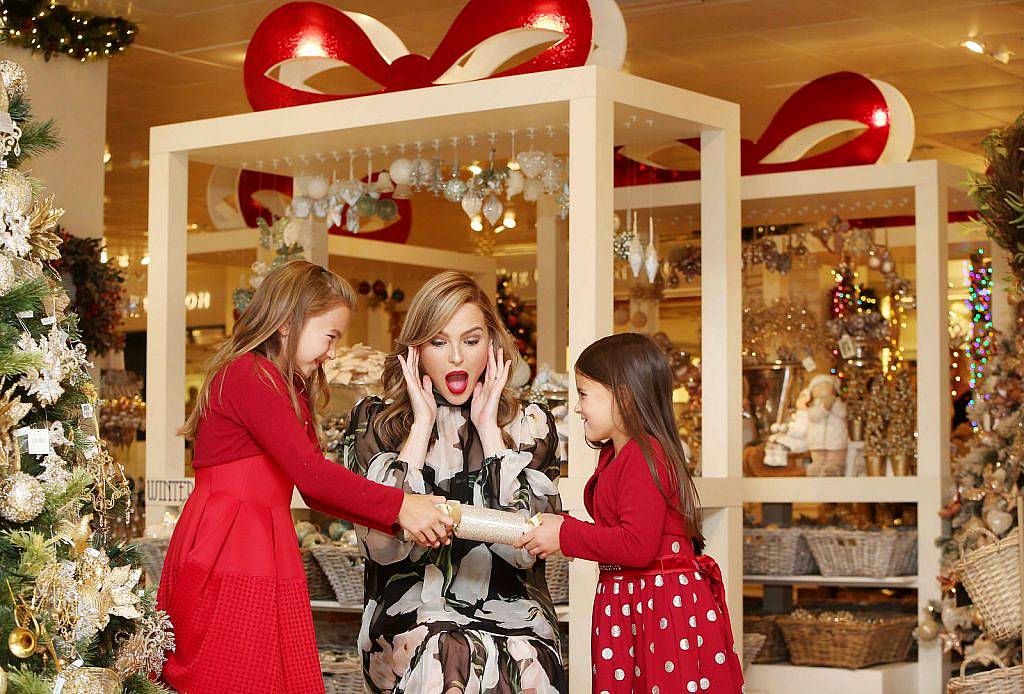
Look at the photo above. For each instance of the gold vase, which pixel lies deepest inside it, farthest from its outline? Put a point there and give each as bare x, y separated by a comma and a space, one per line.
901, 465
91, 680
875, 465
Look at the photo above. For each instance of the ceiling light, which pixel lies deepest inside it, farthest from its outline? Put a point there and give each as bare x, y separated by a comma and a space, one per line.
1002, 56
103, 256
973, 46
477, 224
145, 260
510, 220
474, 169
498, 229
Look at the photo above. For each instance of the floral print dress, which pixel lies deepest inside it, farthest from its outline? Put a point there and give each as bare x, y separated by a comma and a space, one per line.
469, 616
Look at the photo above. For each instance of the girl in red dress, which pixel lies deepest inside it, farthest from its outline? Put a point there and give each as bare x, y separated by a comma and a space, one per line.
233, 582
660, 619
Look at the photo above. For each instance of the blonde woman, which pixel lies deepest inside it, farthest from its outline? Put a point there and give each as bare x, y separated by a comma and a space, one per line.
233, 582
465, 616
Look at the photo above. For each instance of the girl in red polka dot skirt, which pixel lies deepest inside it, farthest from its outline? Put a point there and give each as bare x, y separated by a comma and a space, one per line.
660, 619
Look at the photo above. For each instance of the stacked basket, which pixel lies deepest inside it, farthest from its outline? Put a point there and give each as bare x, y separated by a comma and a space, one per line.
874, 553
845, 639
776, 552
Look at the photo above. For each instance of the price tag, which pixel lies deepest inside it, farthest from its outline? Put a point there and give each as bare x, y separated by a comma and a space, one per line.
24, 314
846, 347
38, 441
86, 410
48, 320
809, 363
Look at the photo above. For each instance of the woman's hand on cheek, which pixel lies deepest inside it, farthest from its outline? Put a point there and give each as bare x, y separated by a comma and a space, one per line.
543, 541
486, 397
421, 392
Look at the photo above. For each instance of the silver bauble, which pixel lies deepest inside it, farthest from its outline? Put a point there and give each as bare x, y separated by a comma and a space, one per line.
15, 193
21, 497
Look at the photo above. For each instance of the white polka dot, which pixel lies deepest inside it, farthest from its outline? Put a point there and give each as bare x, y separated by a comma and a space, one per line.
600, 589
652, 646
597, 631
704, 683
696, 575
743, 689
675, 546
655, 690
616, 631
734, 648
694, 598
606, 654
630, 586
604, 691
643, 584
677, 601
659, 581
630, 651
636, 670
620, 675
650, 603
712, 615
669, 666
663, 623
634, 630
607, 610
685, 644
693, 622
639, 608
625, 610
683, 580
594, 668
700, 640
720, 658
615, 588
691, 686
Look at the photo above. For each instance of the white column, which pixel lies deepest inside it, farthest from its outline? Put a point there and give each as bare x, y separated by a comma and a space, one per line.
552, 287
721, 351
933, 409
165, 321
591, 139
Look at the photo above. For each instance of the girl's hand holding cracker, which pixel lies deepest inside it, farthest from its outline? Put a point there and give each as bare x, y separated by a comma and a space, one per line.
543, 541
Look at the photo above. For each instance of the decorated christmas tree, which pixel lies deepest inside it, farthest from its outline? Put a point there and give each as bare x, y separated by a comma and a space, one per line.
519, 320
73, 613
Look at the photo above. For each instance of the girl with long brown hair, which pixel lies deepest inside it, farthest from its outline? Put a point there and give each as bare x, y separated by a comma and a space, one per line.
233, 581
466, 616
660, 619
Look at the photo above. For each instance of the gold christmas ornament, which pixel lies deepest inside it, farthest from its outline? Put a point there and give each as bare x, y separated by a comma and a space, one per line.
91, 680
21, 497
14, 79
8, 277
21, 642
15, 193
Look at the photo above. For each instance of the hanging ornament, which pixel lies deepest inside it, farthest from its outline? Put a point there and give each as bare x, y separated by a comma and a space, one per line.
651, 255
621, 244
21, 497
351, 190
352, 220
424, 172
455, 188
91, 680
318, 187
514, 184
639, 320
471, 203
15, 81
532, 190
387, 209
492, 209
384, 184
402, 192
636, 251
302, 206
621, 316
401, 171
366, 206
8, 276
321, 207
15, 193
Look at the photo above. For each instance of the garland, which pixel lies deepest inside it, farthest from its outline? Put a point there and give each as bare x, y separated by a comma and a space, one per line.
42, 25
95, 290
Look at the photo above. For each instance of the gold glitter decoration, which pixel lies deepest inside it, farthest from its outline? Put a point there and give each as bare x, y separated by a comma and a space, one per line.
21, 497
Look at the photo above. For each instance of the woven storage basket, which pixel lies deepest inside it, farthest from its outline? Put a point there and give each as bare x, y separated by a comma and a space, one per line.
1000, 680
556, 573
874, 553
316, 580
153, 551
342, 670
907, 547
774, 648
343, 567
776, 552
752, 644
851, 644
991, 576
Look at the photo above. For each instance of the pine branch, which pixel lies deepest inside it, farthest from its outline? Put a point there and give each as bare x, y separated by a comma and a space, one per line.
140, 684
35, 549
27, 296
37, 138
17, 363
68, 502
24, 681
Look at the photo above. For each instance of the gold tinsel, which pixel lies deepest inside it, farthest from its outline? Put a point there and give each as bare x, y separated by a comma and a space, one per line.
876, 412
902, 414
42, 222
144, 651
21, 497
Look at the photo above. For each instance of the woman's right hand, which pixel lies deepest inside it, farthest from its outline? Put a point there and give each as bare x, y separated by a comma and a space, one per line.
427, 525
421, 391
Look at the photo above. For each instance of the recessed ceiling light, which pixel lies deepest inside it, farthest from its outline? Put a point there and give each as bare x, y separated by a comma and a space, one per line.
973, 46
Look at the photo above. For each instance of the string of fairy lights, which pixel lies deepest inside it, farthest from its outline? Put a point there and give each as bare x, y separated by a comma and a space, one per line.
978, 276
55, 29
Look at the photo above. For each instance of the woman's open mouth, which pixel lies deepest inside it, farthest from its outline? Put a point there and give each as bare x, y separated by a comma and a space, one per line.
457, 382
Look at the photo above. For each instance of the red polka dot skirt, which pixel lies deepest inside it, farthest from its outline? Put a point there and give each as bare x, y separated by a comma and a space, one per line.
664, 630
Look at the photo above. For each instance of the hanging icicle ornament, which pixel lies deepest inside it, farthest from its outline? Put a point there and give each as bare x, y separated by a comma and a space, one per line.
636, 251
651, 255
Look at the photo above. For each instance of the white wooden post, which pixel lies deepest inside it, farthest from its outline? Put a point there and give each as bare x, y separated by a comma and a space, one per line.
165, 320
721, 351
552, 287
591, 139
933, 406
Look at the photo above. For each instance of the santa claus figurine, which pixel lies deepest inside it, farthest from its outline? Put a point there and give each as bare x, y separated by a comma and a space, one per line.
789, 437
827, 435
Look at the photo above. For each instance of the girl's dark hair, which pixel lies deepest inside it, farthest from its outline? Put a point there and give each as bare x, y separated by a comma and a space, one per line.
636, 371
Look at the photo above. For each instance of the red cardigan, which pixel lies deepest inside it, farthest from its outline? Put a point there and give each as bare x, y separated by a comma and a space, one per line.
251, 414
631, 516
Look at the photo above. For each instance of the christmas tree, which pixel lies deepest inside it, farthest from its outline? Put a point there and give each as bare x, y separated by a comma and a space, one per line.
519, 321
72, 610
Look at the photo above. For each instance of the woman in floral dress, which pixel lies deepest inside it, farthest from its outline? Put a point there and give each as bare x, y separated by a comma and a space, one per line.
464, 616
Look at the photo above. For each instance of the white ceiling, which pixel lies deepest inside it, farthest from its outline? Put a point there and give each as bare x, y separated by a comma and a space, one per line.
187, 64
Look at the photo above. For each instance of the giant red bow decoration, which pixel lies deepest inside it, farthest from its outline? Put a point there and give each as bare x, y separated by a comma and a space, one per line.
303, 30
838, 103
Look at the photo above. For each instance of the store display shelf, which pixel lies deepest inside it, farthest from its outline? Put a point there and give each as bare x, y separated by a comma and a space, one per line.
779, 678
835, 489
851, 581
334, 606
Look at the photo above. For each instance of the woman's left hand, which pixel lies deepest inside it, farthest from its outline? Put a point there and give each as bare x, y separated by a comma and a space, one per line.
543, 541
487, 393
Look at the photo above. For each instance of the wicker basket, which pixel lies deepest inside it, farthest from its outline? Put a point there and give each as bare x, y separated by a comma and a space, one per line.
1000, 680
556, 573
752, 644
850, 644
342, 670
874, 553
774, 647
343, 567
153, 551
991, 576
776, 552
316, 580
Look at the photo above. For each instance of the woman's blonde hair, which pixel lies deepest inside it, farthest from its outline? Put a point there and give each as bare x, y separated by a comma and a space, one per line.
431, 309
288, 296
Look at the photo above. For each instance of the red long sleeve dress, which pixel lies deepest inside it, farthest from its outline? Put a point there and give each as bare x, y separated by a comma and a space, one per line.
233, 581
660, 619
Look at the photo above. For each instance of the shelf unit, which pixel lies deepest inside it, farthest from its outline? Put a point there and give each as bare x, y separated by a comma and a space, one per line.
930, 185
850, 581
599, 106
